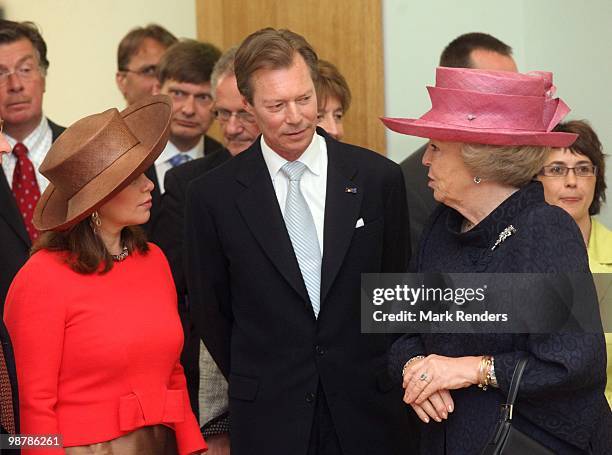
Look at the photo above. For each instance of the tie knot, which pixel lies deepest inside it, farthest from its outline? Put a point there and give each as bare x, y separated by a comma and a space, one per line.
20, 150
293, 170
179, 159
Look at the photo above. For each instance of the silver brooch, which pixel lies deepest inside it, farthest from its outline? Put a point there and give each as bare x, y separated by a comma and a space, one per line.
503, 235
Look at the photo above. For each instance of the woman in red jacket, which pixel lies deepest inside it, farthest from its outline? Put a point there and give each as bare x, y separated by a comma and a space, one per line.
92, 314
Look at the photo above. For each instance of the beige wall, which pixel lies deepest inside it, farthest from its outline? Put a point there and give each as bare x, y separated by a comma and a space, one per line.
82, 38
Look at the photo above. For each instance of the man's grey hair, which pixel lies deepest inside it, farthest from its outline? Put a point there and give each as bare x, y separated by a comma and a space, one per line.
223, 67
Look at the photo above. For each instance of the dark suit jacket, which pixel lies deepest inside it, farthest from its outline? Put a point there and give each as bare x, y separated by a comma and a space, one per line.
421, 203
251, 307
168, 233
15, 241
210, 146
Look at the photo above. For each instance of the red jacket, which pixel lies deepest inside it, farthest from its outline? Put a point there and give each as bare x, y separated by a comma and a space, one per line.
98, 355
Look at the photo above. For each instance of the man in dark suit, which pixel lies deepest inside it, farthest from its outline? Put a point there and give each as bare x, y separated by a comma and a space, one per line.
23, 66
274, 262
184, 74
206, 384
471, 50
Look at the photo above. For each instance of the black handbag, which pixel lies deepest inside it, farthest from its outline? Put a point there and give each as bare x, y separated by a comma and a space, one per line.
506, 439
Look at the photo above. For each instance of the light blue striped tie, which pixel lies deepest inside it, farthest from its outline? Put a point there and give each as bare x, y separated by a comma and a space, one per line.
301, 227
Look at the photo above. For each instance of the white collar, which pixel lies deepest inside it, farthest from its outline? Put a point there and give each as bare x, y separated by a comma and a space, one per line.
33, 139
311, 157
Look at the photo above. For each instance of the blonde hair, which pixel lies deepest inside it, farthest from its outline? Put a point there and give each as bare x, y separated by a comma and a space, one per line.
508, 165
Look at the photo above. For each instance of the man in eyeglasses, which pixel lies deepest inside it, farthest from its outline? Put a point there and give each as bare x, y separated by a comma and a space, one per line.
23, 67
138, 55
183, 74
206, 384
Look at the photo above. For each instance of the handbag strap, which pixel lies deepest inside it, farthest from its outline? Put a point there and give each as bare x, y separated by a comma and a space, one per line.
514, 386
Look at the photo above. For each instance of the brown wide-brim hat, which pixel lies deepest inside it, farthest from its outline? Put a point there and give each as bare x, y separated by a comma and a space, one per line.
98, 156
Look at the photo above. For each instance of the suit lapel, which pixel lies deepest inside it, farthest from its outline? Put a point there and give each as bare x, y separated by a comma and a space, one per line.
258, 206
342, 205
10, 212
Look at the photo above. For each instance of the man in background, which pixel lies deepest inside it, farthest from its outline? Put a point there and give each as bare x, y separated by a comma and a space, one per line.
472, 50
184, 74
206, 384
138, 55
23, 68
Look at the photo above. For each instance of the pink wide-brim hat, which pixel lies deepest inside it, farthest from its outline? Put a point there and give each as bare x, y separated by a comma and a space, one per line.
490, 107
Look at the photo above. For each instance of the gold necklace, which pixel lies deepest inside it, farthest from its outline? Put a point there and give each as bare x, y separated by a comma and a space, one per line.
121, 256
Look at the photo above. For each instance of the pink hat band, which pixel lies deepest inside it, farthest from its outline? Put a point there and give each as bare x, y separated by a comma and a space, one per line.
490, 107
511, 112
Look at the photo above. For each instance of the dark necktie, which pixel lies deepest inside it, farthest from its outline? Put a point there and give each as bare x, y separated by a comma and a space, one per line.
25, 188
7, 416
179, 159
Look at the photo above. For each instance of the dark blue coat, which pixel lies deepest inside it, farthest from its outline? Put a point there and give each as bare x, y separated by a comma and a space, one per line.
561, 401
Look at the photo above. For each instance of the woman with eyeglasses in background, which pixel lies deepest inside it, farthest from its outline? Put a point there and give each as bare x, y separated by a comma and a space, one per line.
574, 179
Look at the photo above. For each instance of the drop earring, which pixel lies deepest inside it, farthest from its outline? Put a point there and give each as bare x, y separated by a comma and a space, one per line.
95, 222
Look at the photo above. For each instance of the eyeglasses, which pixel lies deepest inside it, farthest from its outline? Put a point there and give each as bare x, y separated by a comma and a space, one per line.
223, 115
146, 71
557, 170
26, 71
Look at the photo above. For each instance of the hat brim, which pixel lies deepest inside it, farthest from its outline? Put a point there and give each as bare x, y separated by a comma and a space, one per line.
451, 133
149, 122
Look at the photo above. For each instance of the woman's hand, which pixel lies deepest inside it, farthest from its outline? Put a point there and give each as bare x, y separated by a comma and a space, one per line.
436, 407
434, 373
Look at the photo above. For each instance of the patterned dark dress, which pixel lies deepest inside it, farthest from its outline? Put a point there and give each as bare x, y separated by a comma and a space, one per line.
561, 401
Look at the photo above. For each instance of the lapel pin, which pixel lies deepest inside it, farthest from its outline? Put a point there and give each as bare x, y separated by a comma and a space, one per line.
350, 190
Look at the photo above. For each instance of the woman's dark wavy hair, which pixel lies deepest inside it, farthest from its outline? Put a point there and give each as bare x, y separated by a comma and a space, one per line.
86, 252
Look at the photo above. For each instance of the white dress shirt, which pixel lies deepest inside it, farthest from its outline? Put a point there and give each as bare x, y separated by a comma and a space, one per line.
162, 163
38, 143
313, 183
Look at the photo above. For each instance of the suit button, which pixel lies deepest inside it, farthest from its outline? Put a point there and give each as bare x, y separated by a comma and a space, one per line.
310, 397
319, 350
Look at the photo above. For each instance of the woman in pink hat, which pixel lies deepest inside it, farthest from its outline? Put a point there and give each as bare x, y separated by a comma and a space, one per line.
489, 133
93, 313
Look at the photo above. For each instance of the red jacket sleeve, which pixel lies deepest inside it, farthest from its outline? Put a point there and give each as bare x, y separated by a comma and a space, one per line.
35, 319
188, 436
